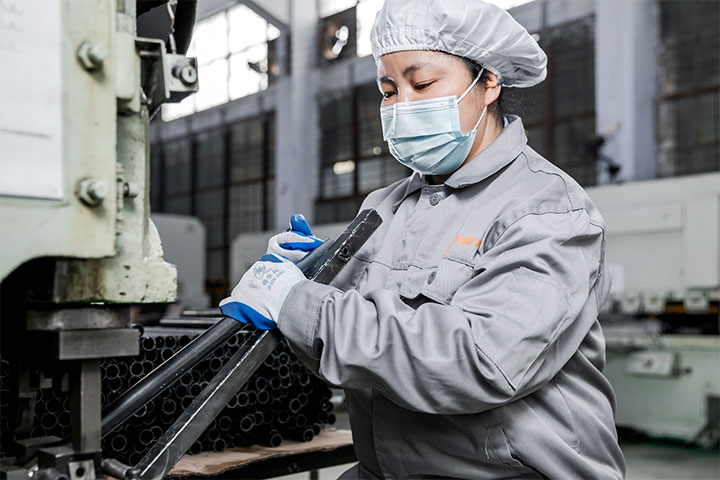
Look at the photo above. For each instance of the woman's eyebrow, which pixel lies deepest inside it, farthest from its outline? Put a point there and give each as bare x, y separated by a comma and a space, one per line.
385, 79
407, 73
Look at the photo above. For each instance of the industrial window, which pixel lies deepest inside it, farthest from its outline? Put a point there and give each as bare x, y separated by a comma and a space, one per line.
232, 52
689, 76
223, 176
559, 113
354, 156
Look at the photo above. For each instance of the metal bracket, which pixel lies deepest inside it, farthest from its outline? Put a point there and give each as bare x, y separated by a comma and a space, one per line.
165, 77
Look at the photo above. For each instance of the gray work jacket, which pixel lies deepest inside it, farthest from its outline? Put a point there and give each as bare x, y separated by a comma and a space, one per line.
465, 330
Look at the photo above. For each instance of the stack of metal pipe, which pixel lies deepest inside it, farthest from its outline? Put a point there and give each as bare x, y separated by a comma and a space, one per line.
282, 400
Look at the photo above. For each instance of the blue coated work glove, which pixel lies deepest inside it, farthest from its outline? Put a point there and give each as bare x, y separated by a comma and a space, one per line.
295, 243
261, 292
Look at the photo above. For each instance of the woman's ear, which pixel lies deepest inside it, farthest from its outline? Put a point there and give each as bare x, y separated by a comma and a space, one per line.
492, 88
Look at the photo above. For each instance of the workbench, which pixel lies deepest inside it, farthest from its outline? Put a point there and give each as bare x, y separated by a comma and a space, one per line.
331, 447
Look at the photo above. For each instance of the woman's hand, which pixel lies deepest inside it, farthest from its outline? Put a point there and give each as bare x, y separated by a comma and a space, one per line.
260, 294
295, 243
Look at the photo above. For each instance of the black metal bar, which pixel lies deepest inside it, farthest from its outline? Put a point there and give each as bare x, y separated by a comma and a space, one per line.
194, 420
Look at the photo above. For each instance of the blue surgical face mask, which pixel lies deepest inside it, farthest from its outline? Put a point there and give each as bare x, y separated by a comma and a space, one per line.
425, 135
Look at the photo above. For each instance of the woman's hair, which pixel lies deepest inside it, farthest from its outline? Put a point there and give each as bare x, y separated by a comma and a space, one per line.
498, 106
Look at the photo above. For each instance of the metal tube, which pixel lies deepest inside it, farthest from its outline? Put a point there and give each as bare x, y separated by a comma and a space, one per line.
261, 383
150, 355
195, 390
114, 383
294, 405
134, 458
136, 369
263, 397
212, 434
195, 448
301, 420
275, 383
118, 443
48, 421
224, 423
186, 379
259, 417
146, 437
168, 407
182, 391
156, 432
273, 439
147, 367
112, 370
147, 343
219, 445
167, 419
170, 342
215, 364
247, 423
64, 419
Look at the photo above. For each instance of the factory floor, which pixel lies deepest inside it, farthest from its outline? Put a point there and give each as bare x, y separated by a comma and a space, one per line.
645, 461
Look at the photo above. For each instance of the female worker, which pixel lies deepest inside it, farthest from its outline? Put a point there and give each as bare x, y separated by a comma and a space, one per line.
465, 330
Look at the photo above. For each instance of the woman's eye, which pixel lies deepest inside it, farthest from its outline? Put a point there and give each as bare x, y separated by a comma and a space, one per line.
422, 86
387, 95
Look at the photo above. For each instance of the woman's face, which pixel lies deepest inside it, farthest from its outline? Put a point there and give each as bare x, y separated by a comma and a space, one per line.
413, 75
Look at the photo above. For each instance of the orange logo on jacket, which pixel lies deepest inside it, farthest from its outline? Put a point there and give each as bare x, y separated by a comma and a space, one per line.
465, 241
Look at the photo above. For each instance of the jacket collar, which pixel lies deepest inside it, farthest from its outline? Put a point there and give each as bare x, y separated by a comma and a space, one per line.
506, 147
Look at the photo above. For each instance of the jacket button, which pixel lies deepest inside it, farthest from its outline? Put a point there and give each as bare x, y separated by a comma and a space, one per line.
434, 199
431, 277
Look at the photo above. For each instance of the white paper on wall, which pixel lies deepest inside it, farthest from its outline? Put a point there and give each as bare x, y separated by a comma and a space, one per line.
31, 99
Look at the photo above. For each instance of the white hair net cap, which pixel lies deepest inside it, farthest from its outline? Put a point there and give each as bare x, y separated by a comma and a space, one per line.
472, 29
